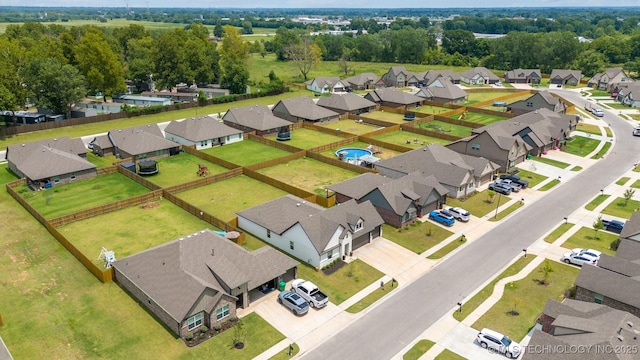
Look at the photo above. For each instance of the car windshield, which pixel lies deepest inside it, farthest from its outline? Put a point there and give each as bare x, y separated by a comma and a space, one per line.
506, 341
303, 305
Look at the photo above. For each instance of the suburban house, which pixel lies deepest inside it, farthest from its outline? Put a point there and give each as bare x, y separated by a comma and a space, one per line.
608, 79
303, 108
523, 76
539, 100
210, 92
391, 97
575, 324
362, 81
432, 75
326, 84
142, 101
615, 282
347, 103
443, 91
144, 142
399, 201
565, 77
460, 174
200, 279
630, 95
174, 96
50, 162
311, 233
100, 107
479, 76
396, 76
203, 132
256, 118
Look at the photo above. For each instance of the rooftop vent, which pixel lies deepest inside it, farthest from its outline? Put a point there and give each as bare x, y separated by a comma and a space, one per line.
629, 324
298, 204
620, 337
213, 252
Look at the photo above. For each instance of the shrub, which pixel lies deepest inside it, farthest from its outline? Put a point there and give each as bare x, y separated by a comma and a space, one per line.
233, 318
217, 327
614, 244
189, 336
203, 329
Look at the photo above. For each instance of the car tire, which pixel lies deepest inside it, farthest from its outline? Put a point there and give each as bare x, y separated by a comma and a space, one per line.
509, 355
567, 261
311, 304
295, 312
279, 300
483, 344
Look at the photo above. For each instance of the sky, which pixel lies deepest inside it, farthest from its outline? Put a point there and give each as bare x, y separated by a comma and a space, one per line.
318, 3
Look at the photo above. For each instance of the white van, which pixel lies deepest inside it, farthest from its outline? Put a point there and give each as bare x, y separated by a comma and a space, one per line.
598, 112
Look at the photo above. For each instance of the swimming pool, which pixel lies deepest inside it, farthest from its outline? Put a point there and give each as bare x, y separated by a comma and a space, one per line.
352, 153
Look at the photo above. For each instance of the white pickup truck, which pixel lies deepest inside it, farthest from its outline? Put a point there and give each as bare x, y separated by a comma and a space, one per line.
310, 292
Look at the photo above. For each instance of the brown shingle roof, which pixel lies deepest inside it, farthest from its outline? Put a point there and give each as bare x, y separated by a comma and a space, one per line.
359, 186
480, 70
200, 129
361, 79
305, 108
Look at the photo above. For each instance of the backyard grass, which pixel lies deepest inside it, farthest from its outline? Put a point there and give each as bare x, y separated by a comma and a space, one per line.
623, 180
307, 139
580, 145
528, 297
552, 162
602, 151
415, 237
576, 168
443, 251
636, 184
285, 355
132, 230
246, 152
585, 238
348, 126
182, 168
308, 174
484, 119
409, 139
382, 154
557, 232
224, 199
472, 304
533, 178
476, 97
447, 354
618, 208
504, 213
446, 128
597, 201
479, 204
100, 161
549, 185
589, 128
430, 109
345, 282
82, 194
372, 297
418, 350
386, 116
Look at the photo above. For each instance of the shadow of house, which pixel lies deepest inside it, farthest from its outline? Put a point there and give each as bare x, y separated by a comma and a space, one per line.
347, 103
310, 232
539, 100
50, 162
304, 109
200, 279
256, 118
203, 132
393, 98
398, 201
523, 76
145, 142
565, 77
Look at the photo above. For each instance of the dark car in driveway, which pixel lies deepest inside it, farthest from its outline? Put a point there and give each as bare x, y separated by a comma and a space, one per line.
516, 179
614, 226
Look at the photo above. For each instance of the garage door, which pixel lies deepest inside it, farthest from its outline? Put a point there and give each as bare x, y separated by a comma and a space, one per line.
360, 241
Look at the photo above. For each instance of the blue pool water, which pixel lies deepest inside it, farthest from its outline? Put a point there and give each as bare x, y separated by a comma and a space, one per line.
353, 153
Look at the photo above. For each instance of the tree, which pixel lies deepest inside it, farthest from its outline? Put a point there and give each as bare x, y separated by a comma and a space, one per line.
458, 41
590, 62
598, 225
101, 67
343, 63
169, 58
304, 54
628, 194
234, 58
13, 95
490, 195
546, 271
54, 86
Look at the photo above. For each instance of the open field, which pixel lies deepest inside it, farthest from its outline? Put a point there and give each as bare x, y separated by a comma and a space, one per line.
409, 139
348, 126
82, 194
418, 238
308, 174
446, 128
383, 154
224, 199
182, 168
484, 119
132, 230
246, 152
308, 139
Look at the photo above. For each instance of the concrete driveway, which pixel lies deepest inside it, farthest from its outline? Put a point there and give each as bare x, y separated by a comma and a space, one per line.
393, 260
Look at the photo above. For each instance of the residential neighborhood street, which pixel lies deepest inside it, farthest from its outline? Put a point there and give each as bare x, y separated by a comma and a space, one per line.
396, 322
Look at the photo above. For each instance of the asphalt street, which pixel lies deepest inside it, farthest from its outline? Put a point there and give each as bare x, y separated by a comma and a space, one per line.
389, 327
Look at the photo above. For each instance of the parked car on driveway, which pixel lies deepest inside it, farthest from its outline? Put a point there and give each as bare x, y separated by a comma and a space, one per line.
293, 302
490, 339
441, 218
310, 292
516, 179
499, 188
515, 187
459, 214
614, 226
578, 258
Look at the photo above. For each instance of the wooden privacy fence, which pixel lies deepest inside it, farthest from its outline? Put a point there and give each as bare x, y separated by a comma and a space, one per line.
338, 163
334, 144
277, 161
490, 112
137, 178
293, 190
425, 132
326, 130
274, 143
376, 122
449, 120
210, 158
209, 179
382, 144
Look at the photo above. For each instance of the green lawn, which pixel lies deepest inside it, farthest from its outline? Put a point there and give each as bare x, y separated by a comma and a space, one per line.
82, 194
637, 168
484, 119
618, 207
348, 126
599, 93
504, 213
410, 139
371, 298
100, 161
557, 232
602, 151
224, 199
447, 354
246, 152
479, 204
586, 238
597, 201
589, 128
616, 105
533, 178
623, 180
430, 109
386, 116
307, 139
552, 162
576, 168
443, 251
635, 185
418, 350
528, 297
284, 354
308, 174
608, 131
580, 145
477, 97
446, 128
482, 295
182, 168
549, 185
416, 236
345, 282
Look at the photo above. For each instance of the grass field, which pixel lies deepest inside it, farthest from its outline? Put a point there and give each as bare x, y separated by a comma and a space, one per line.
224, 199
478, 118
409, 139
479, 204
386, 116
446, 128
580, 145
635, 185
416, 237
307, 139
477, 97
246, 152
585, 238
100, 161
430, 109
601, 153
533, 178
623, 180
620, 207
596, 201
348, 126
383, 154
82, 194
589, 128
308, 174
182, 168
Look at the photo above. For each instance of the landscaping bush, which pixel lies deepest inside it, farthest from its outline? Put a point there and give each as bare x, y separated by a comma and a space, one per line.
203, 329
614, 244
189, 336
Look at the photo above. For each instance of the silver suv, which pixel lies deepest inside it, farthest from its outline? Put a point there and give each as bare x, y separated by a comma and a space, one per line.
495, 341
459, 214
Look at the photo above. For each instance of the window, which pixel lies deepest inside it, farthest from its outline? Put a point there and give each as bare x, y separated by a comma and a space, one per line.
529, 104
291, 245
268, 233
56, 179
475, 146
330, 254
72, 176
222, 312
358, 225
598, 298
142, 156
461, 188
159, 152
203, 143
194, 321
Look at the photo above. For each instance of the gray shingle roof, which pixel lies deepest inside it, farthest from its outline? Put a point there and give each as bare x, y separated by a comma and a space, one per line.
610, 284
432, 75
448, 91
257, 117
361, 79
565, 74
140, 139
359, 186
550, 99
482, 71
175, 274
346, 102
394, 96
304, 107
522, 73
325, 80
200, 129
631, 226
